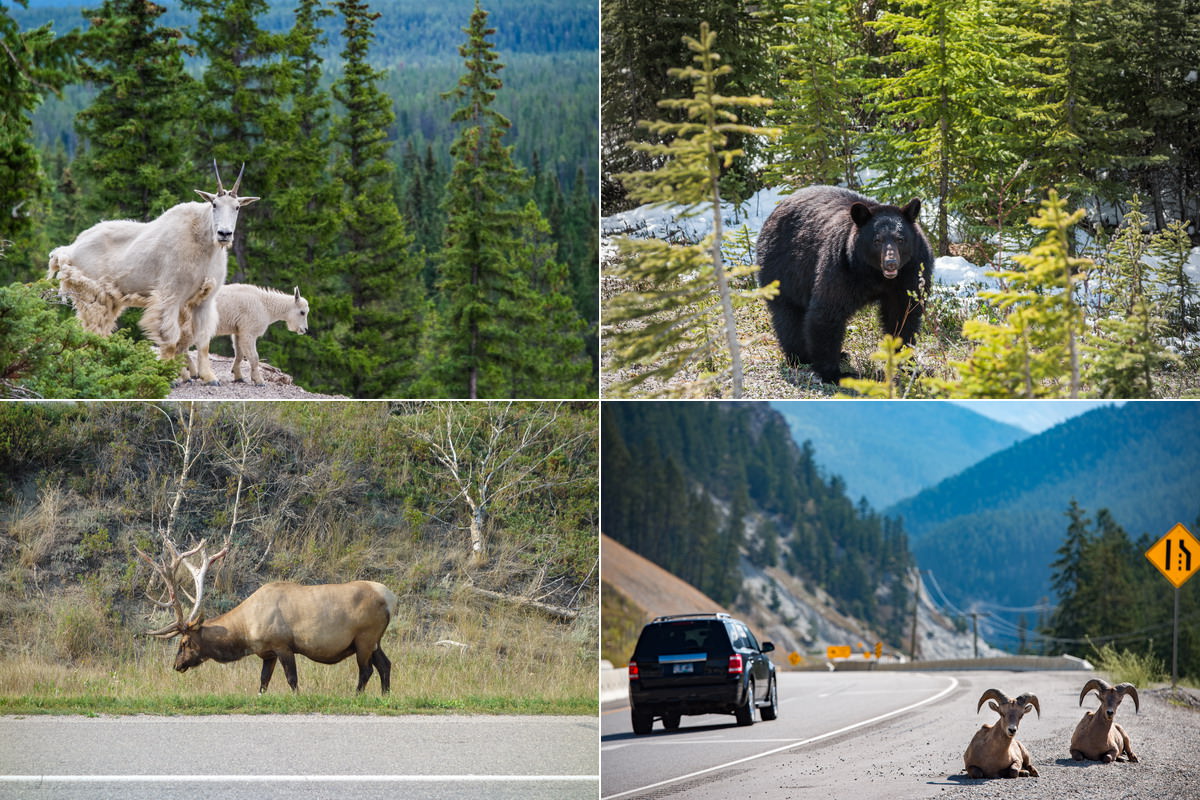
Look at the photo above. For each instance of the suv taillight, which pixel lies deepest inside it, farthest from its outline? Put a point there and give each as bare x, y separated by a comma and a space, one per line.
735, 664
633, 670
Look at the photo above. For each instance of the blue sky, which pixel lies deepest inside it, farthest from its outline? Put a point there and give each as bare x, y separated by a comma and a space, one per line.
1034, 416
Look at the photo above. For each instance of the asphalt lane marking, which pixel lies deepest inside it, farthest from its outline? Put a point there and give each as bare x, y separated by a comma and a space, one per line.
296, 778
953, 685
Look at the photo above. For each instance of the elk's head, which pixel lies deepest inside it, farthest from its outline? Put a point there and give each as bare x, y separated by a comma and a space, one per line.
186, 627
225, 206
1010, 711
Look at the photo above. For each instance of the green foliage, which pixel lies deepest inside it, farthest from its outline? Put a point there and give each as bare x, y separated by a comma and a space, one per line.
679, 310
640, 43
36, 63
818, 84
137, 132
495, 334
682, 479
1126, 351
1109, 595
379, 274
891, 355
45, 353
1033, 352
1137, 460
1140, 669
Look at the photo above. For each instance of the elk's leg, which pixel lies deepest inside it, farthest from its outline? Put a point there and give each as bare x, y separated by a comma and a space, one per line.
289, 669
364, 660
385, 669
268, 669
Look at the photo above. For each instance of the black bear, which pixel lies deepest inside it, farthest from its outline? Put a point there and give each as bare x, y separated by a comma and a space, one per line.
833, 251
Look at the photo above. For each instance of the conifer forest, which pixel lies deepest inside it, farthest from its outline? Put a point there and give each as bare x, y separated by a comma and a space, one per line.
1053, 147
427, 176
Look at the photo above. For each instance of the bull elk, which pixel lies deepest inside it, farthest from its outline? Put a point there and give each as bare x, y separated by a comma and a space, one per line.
325, 623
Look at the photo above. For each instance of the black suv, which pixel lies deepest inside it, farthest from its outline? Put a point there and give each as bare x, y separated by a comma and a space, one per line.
699, 664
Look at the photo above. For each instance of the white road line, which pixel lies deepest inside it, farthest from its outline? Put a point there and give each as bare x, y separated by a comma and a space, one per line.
953, 685
296, 778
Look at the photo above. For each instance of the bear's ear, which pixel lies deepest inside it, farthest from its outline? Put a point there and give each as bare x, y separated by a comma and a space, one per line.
913, 210
860, 213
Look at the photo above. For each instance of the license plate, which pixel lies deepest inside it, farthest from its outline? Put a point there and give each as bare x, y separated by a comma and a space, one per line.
681, 669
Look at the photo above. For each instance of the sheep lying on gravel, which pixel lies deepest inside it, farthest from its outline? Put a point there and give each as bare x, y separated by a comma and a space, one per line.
1098, 737
994, 751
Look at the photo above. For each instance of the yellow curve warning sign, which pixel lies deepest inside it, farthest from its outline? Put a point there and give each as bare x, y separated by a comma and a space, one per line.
1176, 554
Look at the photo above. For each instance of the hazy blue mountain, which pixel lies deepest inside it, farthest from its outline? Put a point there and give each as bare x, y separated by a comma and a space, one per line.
991, 532
889, 450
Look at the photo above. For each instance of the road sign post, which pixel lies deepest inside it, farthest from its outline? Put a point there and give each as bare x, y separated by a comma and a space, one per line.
1177, 556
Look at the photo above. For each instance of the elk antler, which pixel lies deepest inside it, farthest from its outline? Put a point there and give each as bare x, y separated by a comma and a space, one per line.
166, 570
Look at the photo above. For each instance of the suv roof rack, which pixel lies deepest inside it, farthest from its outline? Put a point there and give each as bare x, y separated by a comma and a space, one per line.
696, 615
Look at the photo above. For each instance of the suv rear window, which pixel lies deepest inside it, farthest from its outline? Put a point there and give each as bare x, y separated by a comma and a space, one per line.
683, 636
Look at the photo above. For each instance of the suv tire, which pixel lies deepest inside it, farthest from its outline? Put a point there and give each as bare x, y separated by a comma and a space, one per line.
745, 712
642, 722
771, 710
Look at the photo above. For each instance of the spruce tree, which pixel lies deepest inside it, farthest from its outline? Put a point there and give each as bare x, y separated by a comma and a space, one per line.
1125, 351
294, 234
381, 277
818, 85
136, 159
669, 318
492, 322
941, 106
35, 63
1034, 350
241, 97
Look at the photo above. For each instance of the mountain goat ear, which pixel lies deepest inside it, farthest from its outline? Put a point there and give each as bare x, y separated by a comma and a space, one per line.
296, 290
245, 201
209, 197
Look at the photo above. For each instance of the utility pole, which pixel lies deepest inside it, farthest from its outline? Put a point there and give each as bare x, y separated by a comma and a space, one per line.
912, 639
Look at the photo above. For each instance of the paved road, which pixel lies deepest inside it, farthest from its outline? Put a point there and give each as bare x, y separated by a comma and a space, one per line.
290, 756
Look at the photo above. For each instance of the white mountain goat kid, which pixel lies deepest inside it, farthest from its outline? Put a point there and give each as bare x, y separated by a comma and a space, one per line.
171, 266
244, 312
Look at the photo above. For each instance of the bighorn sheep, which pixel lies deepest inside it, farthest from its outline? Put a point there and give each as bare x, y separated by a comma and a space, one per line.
326, 623
244, 312
1097, 737
171, 266
994, 751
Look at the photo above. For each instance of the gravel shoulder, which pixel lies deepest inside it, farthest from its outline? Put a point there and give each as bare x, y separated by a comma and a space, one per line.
919, 754
279, 386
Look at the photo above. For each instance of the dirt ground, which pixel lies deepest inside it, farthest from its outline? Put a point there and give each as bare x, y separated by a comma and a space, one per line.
279, 386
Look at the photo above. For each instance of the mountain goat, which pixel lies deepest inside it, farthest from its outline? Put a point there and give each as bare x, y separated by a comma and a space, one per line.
244, 312
172, 266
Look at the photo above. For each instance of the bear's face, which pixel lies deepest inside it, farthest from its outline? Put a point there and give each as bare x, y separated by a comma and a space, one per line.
885, 235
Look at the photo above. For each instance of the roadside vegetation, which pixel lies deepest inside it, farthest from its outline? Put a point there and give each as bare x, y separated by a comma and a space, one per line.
314, 493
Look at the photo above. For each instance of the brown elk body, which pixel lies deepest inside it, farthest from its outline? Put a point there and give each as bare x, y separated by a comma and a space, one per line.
326, 623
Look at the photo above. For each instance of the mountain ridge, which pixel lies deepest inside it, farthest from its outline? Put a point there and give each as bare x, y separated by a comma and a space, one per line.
924, 442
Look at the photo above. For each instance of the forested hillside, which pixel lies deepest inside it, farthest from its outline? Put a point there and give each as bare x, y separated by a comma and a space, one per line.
978, 108
1052, 148
695, 487
347, 118
309, 492
990, 533
889, 451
